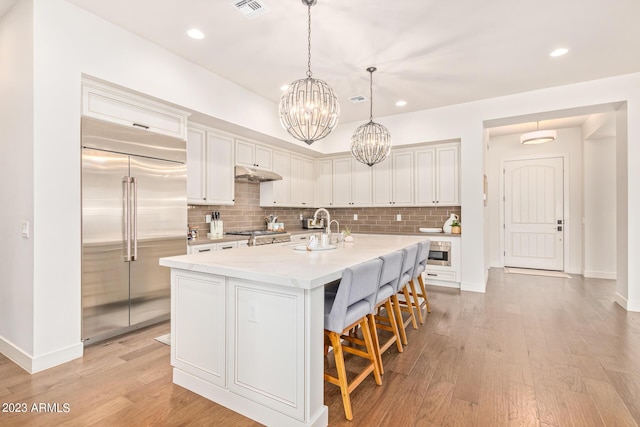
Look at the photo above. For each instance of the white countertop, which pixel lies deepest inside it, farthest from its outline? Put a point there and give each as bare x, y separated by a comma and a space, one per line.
280, 264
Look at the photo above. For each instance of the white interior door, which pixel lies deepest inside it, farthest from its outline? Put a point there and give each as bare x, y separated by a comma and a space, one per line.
534, 213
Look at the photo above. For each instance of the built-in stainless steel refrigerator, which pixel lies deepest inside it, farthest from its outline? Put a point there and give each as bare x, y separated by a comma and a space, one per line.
134, 211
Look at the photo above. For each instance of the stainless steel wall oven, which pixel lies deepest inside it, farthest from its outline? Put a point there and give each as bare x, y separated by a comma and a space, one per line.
440, 253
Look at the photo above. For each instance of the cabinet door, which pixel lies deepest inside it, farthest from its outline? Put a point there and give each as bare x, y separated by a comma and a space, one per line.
282, 188
402, 178
425, 177
342, 182
245, 153
297, 181
220, 173
309, 183
199, 310
196, 166
447, 187
360, 184
382, 183
325, 183
263, 157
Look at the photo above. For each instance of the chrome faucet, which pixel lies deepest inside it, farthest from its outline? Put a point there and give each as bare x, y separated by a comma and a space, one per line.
337, 226
315, 217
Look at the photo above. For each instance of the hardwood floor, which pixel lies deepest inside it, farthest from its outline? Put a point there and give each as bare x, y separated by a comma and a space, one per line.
539, 351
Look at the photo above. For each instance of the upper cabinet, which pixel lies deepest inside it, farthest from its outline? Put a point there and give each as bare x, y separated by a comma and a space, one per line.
351, 183
278, 193
325, 183
393, 180
104, 102
210, 174
253, 155
437, 175
303, 181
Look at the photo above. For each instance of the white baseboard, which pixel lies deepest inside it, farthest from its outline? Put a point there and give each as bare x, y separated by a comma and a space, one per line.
40, 363
443, 284
57, 357
592, 274
473, 287
15, 354
626, 304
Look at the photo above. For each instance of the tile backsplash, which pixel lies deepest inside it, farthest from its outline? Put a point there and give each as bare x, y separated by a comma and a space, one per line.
247, 214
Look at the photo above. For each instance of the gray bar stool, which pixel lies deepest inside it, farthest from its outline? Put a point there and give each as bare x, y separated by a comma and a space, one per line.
347, 308
387, 287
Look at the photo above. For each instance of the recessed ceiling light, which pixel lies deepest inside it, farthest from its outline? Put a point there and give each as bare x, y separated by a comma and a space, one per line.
195, 33
559, 52
284, 87
401, 103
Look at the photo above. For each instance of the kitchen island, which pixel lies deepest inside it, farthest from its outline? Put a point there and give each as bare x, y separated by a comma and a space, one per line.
247, 325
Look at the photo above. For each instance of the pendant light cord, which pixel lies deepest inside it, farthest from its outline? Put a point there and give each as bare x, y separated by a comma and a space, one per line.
309, 73
371, 94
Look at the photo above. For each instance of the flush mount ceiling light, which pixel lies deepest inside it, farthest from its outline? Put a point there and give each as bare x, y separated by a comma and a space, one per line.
371, 142
559, 52
538, 137
309, 109
195, 33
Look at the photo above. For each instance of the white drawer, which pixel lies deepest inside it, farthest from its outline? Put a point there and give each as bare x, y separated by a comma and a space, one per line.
196, 249
227, 245
439, 275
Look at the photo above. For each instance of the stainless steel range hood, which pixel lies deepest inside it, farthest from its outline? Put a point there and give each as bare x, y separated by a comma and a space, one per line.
247, 174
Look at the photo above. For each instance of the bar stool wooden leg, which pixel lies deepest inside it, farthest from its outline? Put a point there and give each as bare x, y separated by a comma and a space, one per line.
416, 302
394, 324
407, 298
424, 292
366, 332
342, 374
399, 321
376, 342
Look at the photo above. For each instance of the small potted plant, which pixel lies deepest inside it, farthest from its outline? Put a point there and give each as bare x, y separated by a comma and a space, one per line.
347, 235
455, 227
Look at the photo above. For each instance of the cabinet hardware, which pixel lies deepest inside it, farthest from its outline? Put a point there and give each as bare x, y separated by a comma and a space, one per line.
204, 250
141, 126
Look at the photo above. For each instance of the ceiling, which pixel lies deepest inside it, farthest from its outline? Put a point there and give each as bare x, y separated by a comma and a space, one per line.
428, 53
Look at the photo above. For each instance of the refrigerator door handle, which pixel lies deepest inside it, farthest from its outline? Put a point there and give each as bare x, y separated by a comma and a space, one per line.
134, 181
127, 233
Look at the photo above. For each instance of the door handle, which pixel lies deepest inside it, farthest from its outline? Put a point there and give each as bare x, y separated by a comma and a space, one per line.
134, 181
127, 233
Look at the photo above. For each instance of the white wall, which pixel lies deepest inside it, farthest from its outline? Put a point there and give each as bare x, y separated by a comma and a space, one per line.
69, 42
16, 176
508, 147
627, 174
600, 208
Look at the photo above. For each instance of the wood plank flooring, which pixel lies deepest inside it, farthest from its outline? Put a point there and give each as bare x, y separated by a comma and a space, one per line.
532, 351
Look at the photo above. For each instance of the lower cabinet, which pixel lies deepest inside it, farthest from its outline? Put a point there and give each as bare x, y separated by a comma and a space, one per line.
211, 247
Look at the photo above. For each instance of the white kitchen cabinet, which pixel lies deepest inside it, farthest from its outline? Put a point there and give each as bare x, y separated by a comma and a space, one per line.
437, 176
325, 183
196, 165
199, 304
351, 183
253, 155
210, 174
303, 182
105, 102
226, 245
393, 180
278, 193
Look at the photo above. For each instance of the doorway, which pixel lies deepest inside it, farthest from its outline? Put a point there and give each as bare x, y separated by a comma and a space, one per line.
534, 213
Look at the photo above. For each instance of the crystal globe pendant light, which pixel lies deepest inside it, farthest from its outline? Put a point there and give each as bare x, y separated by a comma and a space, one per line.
371, 142
309, 109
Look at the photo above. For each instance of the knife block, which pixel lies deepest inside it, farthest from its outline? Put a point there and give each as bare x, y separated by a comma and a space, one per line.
216, 230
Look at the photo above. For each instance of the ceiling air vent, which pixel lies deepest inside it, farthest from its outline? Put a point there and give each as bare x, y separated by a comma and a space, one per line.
357, 99
250, 8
